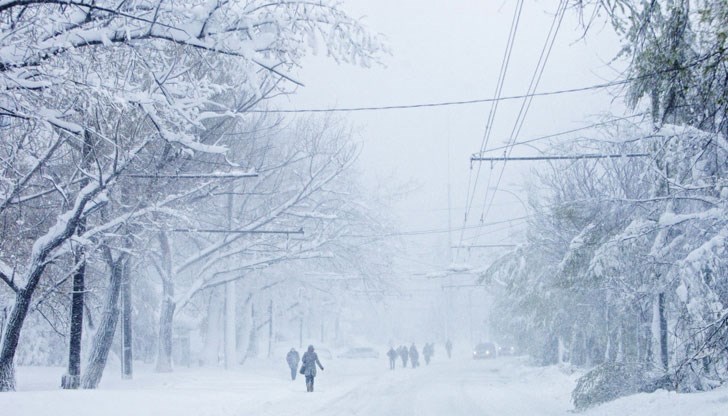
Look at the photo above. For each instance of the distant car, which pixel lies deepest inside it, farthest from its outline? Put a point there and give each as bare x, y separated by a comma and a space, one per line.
484, 350
506, 350
360, 352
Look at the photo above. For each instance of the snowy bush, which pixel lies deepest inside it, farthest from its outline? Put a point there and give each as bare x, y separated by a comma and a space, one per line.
611, 381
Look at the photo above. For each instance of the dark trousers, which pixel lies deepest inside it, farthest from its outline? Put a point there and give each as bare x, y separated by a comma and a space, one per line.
309, 383
392, 361
294, 370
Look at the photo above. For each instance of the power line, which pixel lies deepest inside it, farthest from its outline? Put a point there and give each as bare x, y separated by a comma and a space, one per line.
470, 196
221, 175
533, 85
218, 231
479, 100
525, 105
560, 157
457, 286
445, 103
484, 245
436, 230
562, 133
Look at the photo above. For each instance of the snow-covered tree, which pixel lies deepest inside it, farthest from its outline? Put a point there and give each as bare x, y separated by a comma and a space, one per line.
140, 82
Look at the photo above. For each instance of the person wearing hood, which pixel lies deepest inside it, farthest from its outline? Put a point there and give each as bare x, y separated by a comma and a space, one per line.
308, 367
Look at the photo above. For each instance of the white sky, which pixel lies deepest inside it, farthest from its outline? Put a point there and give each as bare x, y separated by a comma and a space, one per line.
451, 50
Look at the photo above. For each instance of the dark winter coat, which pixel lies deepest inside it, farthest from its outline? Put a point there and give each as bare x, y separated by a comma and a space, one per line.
404, 353
309, 362
292, 358
414, 355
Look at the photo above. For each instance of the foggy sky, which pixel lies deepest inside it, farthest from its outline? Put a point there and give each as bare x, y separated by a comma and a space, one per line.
452, 50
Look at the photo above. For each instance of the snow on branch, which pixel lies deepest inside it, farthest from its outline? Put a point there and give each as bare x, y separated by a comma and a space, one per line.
7, 275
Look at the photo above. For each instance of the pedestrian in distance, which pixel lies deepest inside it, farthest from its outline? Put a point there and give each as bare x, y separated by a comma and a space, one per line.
392, 354
448, 348
308, 367
292, 359
428, 351
404, 355
414, 356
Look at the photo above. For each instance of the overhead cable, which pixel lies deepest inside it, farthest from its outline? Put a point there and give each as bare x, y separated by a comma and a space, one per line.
443, 103
526, 104
470, 196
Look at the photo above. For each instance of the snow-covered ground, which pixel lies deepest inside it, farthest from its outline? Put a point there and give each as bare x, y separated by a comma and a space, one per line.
503, 387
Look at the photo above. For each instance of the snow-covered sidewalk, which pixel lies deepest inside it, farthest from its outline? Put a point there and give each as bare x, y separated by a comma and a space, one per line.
502, 387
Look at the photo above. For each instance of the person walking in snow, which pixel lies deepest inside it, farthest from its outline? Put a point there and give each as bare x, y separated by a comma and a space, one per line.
404, 355
292, 359
428, 351
308, 367
448, 348
392, 354
414, 356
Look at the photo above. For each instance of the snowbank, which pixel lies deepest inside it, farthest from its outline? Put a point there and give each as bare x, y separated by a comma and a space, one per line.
503, 387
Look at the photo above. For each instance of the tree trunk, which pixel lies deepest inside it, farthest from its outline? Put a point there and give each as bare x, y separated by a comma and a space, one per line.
655, 327
127, 358
164, 353
230, 325
253, 338
104, 335
620, 344
3, 319
608, 346
7, 376
10, 340
72, 378
243, 330
663, 331
20, 309
65, 227
230, 300
166, 315
211, 349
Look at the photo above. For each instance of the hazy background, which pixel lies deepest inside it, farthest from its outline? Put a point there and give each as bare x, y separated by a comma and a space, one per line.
449, 51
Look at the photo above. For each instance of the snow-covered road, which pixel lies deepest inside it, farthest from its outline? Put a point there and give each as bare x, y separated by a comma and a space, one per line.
494, 387
501, 387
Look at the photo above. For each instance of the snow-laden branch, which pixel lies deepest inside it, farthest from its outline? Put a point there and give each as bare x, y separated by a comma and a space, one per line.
314, 183
214, 279
7, 275
39, 163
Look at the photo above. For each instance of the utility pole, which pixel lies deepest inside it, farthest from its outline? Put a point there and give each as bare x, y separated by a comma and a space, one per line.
270, 328
449, 202
448, 301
